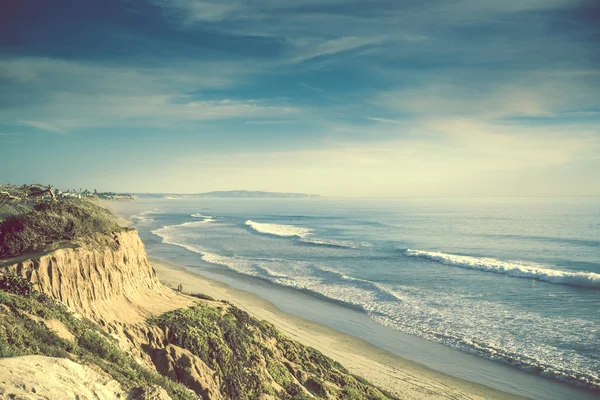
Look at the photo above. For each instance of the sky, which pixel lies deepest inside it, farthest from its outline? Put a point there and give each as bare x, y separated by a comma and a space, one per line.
339, 98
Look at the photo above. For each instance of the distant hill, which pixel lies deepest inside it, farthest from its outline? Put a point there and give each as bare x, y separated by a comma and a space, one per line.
230, 194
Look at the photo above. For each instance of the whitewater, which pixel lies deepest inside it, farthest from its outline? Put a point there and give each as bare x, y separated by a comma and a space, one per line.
513, 283
521, 269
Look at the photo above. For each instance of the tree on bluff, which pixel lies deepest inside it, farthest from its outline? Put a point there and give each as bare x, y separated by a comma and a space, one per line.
10, 193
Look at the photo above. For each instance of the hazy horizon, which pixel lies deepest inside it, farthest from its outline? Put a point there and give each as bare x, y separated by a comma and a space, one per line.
365, 196
337, 98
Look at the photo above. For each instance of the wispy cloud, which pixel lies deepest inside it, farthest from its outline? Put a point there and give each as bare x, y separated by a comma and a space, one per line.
57, 126
78, 95
190, 11
311, 87
531, 97
385, 120
173, 111
52, 74
271, 122
307, 50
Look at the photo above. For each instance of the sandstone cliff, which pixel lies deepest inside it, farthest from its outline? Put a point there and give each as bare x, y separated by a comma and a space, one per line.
109, 286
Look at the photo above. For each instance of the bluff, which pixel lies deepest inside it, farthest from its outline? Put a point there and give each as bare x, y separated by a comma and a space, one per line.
107, 284
103, 306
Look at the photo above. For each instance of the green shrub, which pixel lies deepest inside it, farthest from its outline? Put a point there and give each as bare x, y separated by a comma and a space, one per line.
15, 284
100, 346
279, 373
55, 221
237, 347
223, 342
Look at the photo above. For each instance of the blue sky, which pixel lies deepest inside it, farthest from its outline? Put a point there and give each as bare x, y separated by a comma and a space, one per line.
351, 98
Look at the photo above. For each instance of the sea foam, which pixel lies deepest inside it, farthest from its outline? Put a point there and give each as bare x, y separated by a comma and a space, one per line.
520, 269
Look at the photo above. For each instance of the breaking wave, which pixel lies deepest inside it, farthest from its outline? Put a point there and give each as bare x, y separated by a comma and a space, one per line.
199, 215
279, 230
145, 217
520, 269
305, 235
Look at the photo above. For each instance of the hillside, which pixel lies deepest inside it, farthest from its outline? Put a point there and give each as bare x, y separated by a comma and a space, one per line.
100, 305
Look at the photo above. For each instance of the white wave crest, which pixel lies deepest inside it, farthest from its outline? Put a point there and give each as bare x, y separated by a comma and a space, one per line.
332, 243
145, 217
200, 215
279, 230
520, 269
305, 234
166, 231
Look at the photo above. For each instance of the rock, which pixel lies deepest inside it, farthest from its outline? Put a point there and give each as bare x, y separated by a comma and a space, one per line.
181, 365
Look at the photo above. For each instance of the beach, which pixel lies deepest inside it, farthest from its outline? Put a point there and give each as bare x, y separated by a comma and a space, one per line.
500, 311
404, 378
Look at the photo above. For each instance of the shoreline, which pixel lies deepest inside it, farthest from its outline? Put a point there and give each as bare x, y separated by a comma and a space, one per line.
404, 378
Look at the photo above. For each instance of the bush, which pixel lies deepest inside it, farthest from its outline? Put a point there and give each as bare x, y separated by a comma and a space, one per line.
223, 342
13, 283
279, 373
98, 345
238, 348
52, 222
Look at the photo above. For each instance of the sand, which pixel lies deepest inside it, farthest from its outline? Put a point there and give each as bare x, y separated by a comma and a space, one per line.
404, 378
40, 377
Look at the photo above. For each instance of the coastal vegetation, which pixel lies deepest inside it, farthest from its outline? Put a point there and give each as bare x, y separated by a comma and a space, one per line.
238, 347
55, 222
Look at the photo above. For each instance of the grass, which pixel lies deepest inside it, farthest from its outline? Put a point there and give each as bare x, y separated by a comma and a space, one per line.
21, 334
49, 222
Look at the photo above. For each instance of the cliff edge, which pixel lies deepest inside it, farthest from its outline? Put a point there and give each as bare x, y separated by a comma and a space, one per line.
109, 285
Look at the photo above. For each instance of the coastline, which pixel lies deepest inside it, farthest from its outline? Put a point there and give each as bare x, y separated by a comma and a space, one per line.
404, 378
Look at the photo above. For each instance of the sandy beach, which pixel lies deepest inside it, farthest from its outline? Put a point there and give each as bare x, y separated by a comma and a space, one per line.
404, 378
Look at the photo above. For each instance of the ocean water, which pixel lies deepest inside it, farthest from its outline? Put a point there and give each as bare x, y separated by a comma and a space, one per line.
515, 281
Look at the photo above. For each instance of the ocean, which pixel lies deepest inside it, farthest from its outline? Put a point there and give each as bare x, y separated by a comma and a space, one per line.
501, 291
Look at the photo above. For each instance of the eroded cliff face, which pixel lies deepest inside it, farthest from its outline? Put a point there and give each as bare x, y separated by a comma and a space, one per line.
109, 286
